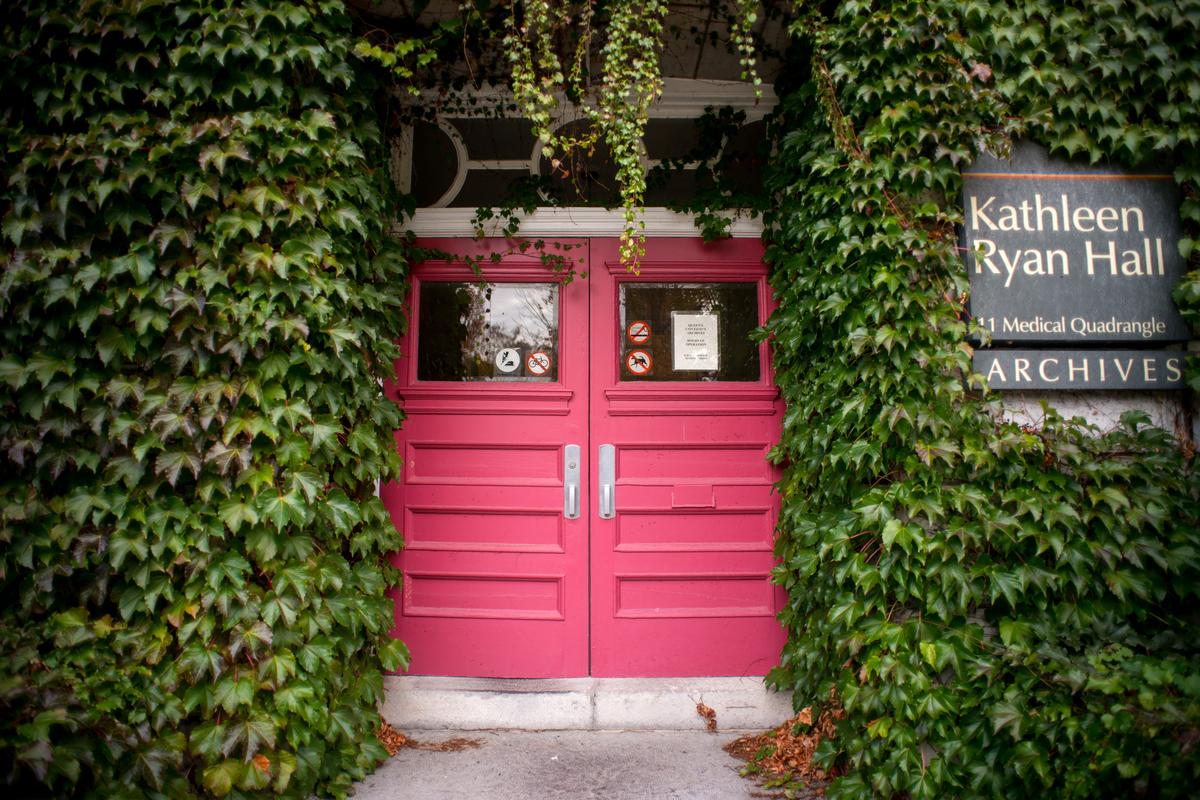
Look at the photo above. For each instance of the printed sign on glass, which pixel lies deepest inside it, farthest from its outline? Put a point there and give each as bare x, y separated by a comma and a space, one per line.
696, 346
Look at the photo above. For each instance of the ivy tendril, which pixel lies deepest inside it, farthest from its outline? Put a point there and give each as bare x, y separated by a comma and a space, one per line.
742, 32
617, 109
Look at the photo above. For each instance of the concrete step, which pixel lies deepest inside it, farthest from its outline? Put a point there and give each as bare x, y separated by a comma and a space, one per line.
415, 702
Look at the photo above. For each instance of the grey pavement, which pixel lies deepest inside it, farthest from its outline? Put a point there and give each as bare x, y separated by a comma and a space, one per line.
564, 765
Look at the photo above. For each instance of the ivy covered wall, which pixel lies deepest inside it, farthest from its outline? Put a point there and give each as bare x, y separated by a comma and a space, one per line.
1002, 611
197, 302
199, 296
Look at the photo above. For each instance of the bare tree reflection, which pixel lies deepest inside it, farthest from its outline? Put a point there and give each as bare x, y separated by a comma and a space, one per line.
484, 319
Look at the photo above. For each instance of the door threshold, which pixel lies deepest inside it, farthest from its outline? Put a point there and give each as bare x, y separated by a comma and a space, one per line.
419, 702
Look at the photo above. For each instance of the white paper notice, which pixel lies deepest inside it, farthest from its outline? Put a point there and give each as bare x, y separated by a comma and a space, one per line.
695, 338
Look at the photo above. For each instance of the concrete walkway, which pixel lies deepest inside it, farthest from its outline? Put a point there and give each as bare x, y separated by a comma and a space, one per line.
564, 765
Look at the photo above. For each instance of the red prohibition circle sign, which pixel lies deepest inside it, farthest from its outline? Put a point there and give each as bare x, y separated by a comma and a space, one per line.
638, 331
638, 362
538, 363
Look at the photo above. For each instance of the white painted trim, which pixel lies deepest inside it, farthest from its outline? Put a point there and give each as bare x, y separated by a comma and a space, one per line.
460, 156
681, 97
566, 222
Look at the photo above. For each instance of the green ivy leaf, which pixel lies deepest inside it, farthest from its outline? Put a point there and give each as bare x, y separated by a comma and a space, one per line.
281, 508
220, 778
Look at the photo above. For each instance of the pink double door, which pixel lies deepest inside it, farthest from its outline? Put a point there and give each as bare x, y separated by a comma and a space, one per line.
585, 487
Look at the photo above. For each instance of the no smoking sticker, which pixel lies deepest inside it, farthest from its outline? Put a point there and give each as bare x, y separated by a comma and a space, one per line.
638, 332
638, 362
538, 363
508, 360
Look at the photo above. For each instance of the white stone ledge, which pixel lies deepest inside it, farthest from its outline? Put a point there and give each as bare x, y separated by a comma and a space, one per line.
435, 703
569, 222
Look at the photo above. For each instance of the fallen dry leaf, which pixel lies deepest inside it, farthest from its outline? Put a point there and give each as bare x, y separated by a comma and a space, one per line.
394, 741
981, 71
449, 746
710, 717
788, 749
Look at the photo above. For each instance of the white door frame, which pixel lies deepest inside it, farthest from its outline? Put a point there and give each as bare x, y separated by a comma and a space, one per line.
567, 222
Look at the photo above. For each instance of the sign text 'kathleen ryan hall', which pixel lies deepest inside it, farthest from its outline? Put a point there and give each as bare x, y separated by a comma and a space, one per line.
1063, 254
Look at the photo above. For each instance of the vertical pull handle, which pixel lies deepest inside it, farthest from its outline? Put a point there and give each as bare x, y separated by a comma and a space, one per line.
608, 479
571, 481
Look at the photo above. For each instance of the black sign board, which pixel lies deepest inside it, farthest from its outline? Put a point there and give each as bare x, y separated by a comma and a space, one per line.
1057, 252
1074, 370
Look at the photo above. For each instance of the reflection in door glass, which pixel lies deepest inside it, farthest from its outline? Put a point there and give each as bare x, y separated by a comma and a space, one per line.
689, 332
487, 332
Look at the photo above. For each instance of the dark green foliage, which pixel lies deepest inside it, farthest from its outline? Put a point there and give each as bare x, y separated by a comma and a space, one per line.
198, 301
716, 173
1004, 611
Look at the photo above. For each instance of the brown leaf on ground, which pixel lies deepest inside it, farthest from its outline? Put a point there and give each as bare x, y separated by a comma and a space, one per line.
449, 746
394, 741
710, 717
788, 749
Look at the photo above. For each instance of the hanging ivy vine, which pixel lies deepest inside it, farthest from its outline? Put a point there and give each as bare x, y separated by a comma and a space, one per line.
1001, 610
603, 56
742, 31
630, 82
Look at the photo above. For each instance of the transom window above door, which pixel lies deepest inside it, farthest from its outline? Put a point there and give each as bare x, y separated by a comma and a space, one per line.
471, 159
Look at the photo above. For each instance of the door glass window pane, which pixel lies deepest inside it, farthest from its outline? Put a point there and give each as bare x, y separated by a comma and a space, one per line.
689, 332
488, 332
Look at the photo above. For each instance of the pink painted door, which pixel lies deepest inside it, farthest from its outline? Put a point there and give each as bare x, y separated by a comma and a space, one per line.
494, 385
658, 564
682, 533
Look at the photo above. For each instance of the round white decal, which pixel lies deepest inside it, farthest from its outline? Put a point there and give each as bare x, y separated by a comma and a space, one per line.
538, 363
638, 332
508, 360
638, 362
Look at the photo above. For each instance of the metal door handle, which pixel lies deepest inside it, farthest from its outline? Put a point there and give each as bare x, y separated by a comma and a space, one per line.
571, 481
608, 476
